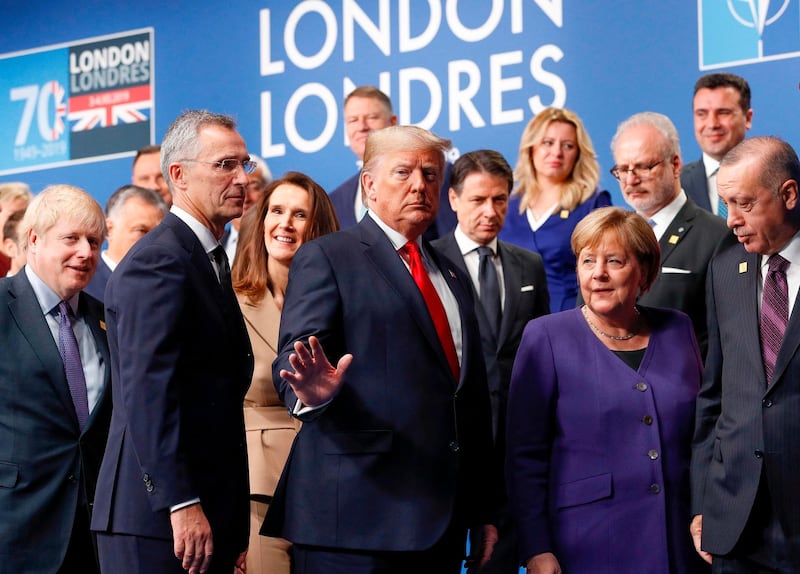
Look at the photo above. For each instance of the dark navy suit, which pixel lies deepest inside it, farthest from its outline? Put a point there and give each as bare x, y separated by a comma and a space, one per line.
181, 364
401, 453
97, 286
48, 467
695, 183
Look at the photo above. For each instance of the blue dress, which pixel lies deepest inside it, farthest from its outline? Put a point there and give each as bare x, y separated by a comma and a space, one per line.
551, 241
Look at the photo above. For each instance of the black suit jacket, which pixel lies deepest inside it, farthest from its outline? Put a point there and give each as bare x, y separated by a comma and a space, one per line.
48, 467
97, 286
695, 183
181, 364
526, 298
692, 238
401, 451
344, 197
746, 431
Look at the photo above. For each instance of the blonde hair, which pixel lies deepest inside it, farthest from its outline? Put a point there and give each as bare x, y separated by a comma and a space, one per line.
583, 180
630, 229
62, 201
400, 138
14, 190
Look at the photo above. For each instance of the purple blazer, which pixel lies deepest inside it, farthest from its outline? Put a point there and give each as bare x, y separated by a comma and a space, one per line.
597, 453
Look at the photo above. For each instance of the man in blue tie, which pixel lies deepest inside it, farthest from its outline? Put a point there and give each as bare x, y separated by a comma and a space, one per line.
744, 470
55, 390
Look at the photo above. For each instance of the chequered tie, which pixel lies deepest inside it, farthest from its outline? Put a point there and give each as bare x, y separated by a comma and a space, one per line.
71, 355
774, 312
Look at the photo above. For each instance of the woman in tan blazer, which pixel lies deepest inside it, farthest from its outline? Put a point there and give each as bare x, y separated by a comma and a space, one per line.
294, 209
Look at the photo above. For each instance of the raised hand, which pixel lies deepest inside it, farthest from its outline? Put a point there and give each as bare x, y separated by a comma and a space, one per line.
314, 380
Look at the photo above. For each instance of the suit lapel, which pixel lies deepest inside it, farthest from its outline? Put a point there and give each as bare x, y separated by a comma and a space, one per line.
97, 328
27, 313
512, 277
387, 262
677, 230
791, 341
746, 286
263, 319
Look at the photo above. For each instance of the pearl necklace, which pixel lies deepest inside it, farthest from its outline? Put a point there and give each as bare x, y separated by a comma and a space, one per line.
597, 329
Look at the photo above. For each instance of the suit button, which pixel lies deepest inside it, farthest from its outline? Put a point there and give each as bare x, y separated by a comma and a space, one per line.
150, 487
759, 453
653, 454
647, 419
641, 387
146, 477
654, 488
767, 403
454, 446
72, 478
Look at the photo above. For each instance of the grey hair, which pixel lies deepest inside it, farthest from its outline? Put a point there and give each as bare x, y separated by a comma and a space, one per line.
670, 146
121, 196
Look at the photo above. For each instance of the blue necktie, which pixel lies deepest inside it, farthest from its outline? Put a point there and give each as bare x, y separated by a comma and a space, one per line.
71, 355
489, 288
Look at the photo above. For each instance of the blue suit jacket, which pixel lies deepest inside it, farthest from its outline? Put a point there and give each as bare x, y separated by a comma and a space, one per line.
181, 364
97, 286
597, 452
694, 182
46, 462
403, 446
746, 430
344, 197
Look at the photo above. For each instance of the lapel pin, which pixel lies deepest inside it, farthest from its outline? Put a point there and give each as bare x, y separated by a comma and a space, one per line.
681, 229
564, 214
673, 239
453, 275
743, 267
103, 325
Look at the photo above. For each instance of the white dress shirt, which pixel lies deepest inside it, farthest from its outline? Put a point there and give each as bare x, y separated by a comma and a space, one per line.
472, 260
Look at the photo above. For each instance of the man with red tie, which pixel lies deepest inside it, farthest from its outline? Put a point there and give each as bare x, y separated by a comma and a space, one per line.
392, 465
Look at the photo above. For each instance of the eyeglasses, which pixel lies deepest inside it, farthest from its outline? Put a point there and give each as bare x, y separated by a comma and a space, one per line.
229, 165
640, 171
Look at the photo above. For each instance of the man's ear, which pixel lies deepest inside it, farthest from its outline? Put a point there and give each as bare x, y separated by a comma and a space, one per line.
788, 193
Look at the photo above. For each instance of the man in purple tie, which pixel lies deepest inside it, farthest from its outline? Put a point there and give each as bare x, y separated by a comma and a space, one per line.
55, 389
745, 471
394, 462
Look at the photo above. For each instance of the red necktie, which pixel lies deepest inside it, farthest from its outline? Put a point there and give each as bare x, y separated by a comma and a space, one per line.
434, 303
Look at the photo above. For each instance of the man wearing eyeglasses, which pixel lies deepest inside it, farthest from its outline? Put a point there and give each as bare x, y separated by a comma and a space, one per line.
256, 186
172, 495
647, 153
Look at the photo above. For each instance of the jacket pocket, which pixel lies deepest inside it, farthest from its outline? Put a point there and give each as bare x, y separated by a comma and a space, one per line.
9, 473
358, 442
584, 490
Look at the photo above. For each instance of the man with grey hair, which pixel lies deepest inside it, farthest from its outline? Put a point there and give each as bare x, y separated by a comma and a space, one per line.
744, 471
173, 489
55, 388
648, 166
395, 462
131, 212
256, 185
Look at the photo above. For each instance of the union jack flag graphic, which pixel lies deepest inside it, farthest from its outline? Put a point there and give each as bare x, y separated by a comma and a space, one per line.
111, 108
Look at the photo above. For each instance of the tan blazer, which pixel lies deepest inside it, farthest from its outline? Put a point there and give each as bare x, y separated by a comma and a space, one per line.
269, 428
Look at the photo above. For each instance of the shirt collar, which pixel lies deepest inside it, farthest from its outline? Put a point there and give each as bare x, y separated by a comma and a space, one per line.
710, 164
467, 245
47, 298
203, 233
790, 252
397, 238
666, 214
107, 260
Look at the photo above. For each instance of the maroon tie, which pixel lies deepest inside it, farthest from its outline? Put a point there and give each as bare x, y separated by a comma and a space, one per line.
774, 312
434, 303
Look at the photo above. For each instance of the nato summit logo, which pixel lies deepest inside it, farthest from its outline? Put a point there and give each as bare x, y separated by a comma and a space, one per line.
747, 31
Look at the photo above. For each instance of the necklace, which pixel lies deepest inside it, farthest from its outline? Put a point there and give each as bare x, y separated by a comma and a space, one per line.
599, 331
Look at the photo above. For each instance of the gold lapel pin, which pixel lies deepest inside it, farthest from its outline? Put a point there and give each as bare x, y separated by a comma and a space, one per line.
103, 325
673, 239
564, 214
743, 267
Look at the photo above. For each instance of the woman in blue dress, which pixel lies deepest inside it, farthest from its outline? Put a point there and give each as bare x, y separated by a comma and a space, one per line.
557, 175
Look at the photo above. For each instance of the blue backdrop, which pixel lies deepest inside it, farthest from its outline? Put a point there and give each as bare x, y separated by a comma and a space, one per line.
472, 70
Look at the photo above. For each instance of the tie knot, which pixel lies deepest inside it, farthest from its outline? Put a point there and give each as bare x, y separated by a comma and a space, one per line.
65, 310
485, 251
777, 264
412, 249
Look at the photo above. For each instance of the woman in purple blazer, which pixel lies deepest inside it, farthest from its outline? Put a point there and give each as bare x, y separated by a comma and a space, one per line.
557, 175
600, 418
